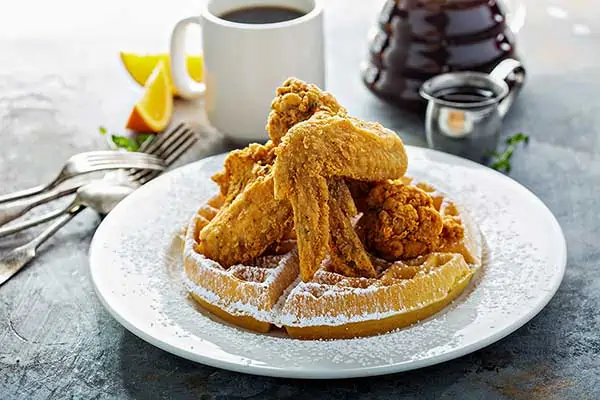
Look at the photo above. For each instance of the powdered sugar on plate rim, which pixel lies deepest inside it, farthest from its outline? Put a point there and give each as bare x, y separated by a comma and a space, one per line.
135, 262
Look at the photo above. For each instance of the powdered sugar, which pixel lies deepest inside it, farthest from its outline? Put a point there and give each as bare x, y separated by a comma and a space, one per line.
136, 268
266, 270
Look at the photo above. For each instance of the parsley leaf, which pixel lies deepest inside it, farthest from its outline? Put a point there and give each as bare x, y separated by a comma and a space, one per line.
142, 138
126, 143
517, 138
502, 161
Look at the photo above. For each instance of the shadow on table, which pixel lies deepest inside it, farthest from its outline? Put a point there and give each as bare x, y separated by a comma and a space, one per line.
410, 124
515, 367
530, 363
149, 372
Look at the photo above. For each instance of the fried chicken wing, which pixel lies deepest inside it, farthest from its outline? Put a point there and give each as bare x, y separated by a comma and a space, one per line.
296, 183
348, 256
329, 146
297, 101
241, 167
245, 228
400, 222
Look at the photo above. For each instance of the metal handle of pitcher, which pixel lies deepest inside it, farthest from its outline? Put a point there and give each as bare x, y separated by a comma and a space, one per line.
512, 72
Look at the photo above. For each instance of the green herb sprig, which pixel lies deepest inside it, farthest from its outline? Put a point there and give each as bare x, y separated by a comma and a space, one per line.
127, 143
501, 162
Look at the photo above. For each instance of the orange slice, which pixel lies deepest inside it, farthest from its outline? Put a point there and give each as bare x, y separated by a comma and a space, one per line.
154, 110
140, 66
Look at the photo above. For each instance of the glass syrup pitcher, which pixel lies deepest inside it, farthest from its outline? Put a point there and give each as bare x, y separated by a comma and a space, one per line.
414, 40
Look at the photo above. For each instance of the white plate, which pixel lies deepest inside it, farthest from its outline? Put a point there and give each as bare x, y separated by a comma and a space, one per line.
137, 272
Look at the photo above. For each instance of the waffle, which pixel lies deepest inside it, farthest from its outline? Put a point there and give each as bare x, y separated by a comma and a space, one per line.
244, 295
270, 294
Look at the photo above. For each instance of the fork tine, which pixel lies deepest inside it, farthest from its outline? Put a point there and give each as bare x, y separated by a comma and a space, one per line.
178, 152
171, 155
167, 150
92, 156
156, 144
175, 138
146, 177
97, 155
173, 142
174, 156
145, 147
136, 164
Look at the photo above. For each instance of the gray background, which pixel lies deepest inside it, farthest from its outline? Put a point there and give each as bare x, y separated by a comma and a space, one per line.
60, 78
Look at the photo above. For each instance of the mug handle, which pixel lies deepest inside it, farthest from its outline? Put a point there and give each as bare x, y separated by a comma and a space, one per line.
512, 72
185, 85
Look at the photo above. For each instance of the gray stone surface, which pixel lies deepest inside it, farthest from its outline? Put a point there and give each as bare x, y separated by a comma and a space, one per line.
60, 78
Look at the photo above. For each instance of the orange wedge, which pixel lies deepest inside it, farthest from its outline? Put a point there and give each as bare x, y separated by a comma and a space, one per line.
154, 110
140, 66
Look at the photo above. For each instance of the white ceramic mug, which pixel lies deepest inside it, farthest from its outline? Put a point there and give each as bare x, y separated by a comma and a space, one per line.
245, 63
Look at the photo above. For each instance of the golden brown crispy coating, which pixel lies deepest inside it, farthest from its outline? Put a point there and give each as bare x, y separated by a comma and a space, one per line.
400, 222
216, 201
241, 167
262, 204
287, 241
327, 146
453, 231
207, 212
310, 203
360, 190
348, 255
244, 229
297, 101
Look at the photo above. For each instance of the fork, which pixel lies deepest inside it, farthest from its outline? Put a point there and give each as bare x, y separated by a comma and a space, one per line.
84, 163
94, 161
101, 196
169, 146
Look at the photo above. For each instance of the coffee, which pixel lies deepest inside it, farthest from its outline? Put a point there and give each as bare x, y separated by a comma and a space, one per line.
262, 15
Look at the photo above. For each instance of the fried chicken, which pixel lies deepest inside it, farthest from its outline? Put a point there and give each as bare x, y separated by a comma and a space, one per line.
453, 231
329, 146
296, 183
252, 221
244, 229
400, 222
243, 166
237, 232
208, 212
348, 256
297, 101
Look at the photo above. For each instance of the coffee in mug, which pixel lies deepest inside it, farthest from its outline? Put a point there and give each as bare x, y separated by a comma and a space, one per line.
248, 52
262, 15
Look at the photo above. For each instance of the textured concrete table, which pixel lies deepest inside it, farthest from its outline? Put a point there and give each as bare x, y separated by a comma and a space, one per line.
60, 79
